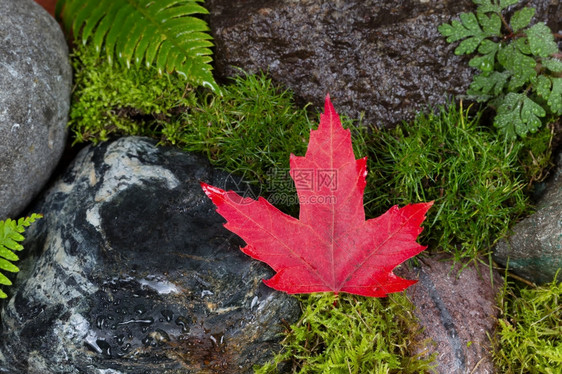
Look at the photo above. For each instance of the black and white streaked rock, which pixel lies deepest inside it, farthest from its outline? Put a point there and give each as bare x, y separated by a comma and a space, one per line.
534, 250
131, 271
35, 84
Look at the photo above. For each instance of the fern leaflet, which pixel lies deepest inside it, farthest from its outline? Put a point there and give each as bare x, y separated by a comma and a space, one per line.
164, 33
10, 236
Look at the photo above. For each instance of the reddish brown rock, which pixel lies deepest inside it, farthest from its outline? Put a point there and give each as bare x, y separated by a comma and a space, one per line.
457, 311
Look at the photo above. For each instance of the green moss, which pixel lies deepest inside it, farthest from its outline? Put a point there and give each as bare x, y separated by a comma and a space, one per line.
477, 179
253, 126
529, 336
352, 334
111, 100
474, 176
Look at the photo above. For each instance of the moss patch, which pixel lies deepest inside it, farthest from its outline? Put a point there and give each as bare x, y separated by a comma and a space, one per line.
474, 176
529, 336
352, 334
253, 126
477, 179
110, 100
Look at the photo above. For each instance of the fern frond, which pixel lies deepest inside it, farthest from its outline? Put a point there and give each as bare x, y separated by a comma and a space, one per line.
10, 236
163, 32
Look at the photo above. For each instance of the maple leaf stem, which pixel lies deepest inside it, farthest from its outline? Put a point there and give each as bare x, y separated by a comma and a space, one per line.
336, 299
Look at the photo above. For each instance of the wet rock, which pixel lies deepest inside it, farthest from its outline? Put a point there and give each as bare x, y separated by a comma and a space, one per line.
35, 83
132, 272
385, 59
534, 250
457, 312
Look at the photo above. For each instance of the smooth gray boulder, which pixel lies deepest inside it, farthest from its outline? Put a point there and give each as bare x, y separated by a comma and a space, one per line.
35, 85
132, 271
534, 250
385, 59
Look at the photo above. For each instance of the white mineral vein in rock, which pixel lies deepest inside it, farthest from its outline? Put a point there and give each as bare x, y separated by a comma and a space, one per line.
10, 69
77, 329
126, 170
58, 291
162, 287
108, 371
268, 300
91, 340
224, 310
255, 301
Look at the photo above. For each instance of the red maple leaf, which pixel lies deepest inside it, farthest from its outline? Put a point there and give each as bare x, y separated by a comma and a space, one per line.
331, 247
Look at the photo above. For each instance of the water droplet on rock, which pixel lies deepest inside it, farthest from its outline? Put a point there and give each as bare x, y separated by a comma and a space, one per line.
105, 347
100, 322
147, 340
183, 322
140, 309
168, 314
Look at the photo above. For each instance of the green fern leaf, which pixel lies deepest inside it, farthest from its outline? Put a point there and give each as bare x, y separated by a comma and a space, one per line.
521, 65
485, 63
10, 236
473, 29
542, 86
518, 115
163, 33
555, 97
487, 85
541, 40
521, 18
553, 64
506, 3
487, 6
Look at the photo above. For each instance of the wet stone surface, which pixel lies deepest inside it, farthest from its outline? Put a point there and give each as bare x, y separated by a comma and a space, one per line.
385, 59
534, 249
35, 85
457, 311
132, 272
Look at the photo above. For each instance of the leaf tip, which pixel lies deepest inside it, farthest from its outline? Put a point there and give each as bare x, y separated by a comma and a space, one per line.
214, 193
328, 106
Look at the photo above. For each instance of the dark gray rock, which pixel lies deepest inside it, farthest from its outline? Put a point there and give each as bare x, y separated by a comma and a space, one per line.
534, 250
35, 84
383, 58
457, 312
132, 272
